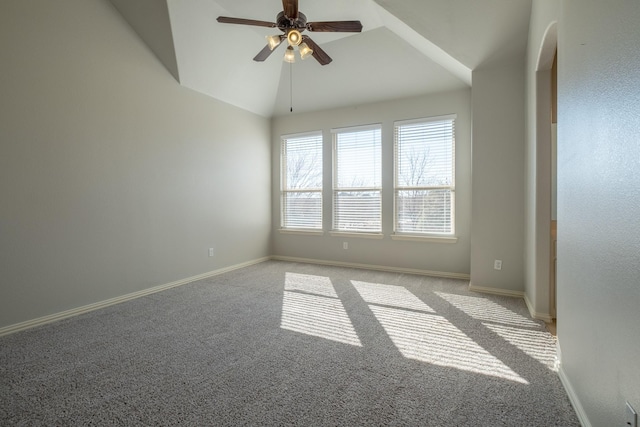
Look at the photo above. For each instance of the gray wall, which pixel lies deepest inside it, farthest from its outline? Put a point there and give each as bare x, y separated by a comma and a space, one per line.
497, 224
441, 257
113, 178
599, 205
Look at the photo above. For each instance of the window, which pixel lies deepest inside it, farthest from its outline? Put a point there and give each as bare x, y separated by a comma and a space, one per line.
357, 180
425, 175
302, 181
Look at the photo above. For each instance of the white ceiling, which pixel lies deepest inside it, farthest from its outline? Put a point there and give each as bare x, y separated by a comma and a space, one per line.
407, 48
472, 31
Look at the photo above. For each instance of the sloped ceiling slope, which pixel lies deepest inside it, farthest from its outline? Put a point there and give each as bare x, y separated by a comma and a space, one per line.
150, 19
373, 66
471, 31
407, 48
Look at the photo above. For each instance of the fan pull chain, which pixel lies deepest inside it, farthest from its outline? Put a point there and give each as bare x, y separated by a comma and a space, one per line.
290, 87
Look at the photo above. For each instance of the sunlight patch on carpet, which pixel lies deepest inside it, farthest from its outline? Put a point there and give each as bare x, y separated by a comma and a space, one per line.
310, 306
433, 339
319, 285
394, 296
539, 345
486, 310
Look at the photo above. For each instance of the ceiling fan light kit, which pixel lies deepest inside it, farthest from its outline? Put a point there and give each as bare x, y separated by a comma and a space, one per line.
292, 23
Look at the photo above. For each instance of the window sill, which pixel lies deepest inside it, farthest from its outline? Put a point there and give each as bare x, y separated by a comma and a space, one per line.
300, 231
430, 239
357, 235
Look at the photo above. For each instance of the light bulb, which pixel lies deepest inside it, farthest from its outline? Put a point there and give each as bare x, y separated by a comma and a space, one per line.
294, 37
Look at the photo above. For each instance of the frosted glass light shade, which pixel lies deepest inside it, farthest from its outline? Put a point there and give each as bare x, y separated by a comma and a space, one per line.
305, 51
273, 41
289, 55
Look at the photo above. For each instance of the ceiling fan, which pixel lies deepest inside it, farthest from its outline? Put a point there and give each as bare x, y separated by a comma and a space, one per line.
292, 23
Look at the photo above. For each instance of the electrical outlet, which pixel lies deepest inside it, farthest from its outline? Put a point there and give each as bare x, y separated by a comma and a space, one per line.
210, 251
497, 264
345, 245
631, 418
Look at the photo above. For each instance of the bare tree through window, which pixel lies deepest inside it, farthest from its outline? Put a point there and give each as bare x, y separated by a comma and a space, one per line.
302, 181
424, 176
358, 181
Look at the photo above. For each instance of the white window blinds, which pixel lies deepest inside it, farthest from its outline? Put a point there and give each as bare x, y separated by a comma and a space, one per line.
302, 181
425, 175
357, 180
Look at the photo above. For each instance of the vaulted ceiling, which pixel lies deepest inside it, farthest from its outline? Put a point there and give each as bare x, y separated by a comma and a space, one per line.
406, 48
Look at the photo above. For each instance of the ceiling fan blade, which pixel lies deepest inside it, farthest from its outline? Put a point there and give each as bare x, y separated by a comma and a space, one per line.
242, 21
335, 26
320, 55
290, 8
264, 53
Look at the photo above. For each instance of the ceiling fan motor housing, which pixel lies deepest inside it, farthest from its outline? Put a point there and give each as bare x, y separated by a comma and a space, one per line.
285, 23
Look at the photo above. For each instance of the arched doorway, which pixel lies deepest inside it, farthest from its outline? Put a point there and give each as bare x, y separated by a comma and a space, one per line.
545, 225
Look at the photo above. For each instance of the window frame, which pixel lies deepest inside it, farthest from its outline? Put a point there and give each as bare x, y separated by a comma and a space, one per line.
376, 234
443, 237
283, 184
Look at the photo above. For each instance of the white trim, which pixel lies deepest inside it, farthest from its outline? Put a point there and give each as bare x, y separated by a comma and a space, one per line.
301, 231
361, 128
573, 397
546, 317
363, 235
430, 239
496, 291
112, 301
425, 120
301, 135
548, 47
462, 276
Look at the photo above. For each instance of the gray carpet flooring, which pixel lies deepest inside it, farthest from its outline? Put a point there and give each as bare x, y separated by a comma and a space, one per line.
282, 343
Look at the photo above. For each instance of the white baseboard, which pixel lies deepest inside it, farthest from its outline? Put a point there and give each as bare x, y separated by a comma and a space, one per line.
573, 397
496, 291
545, 317
102, 304
462, 276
